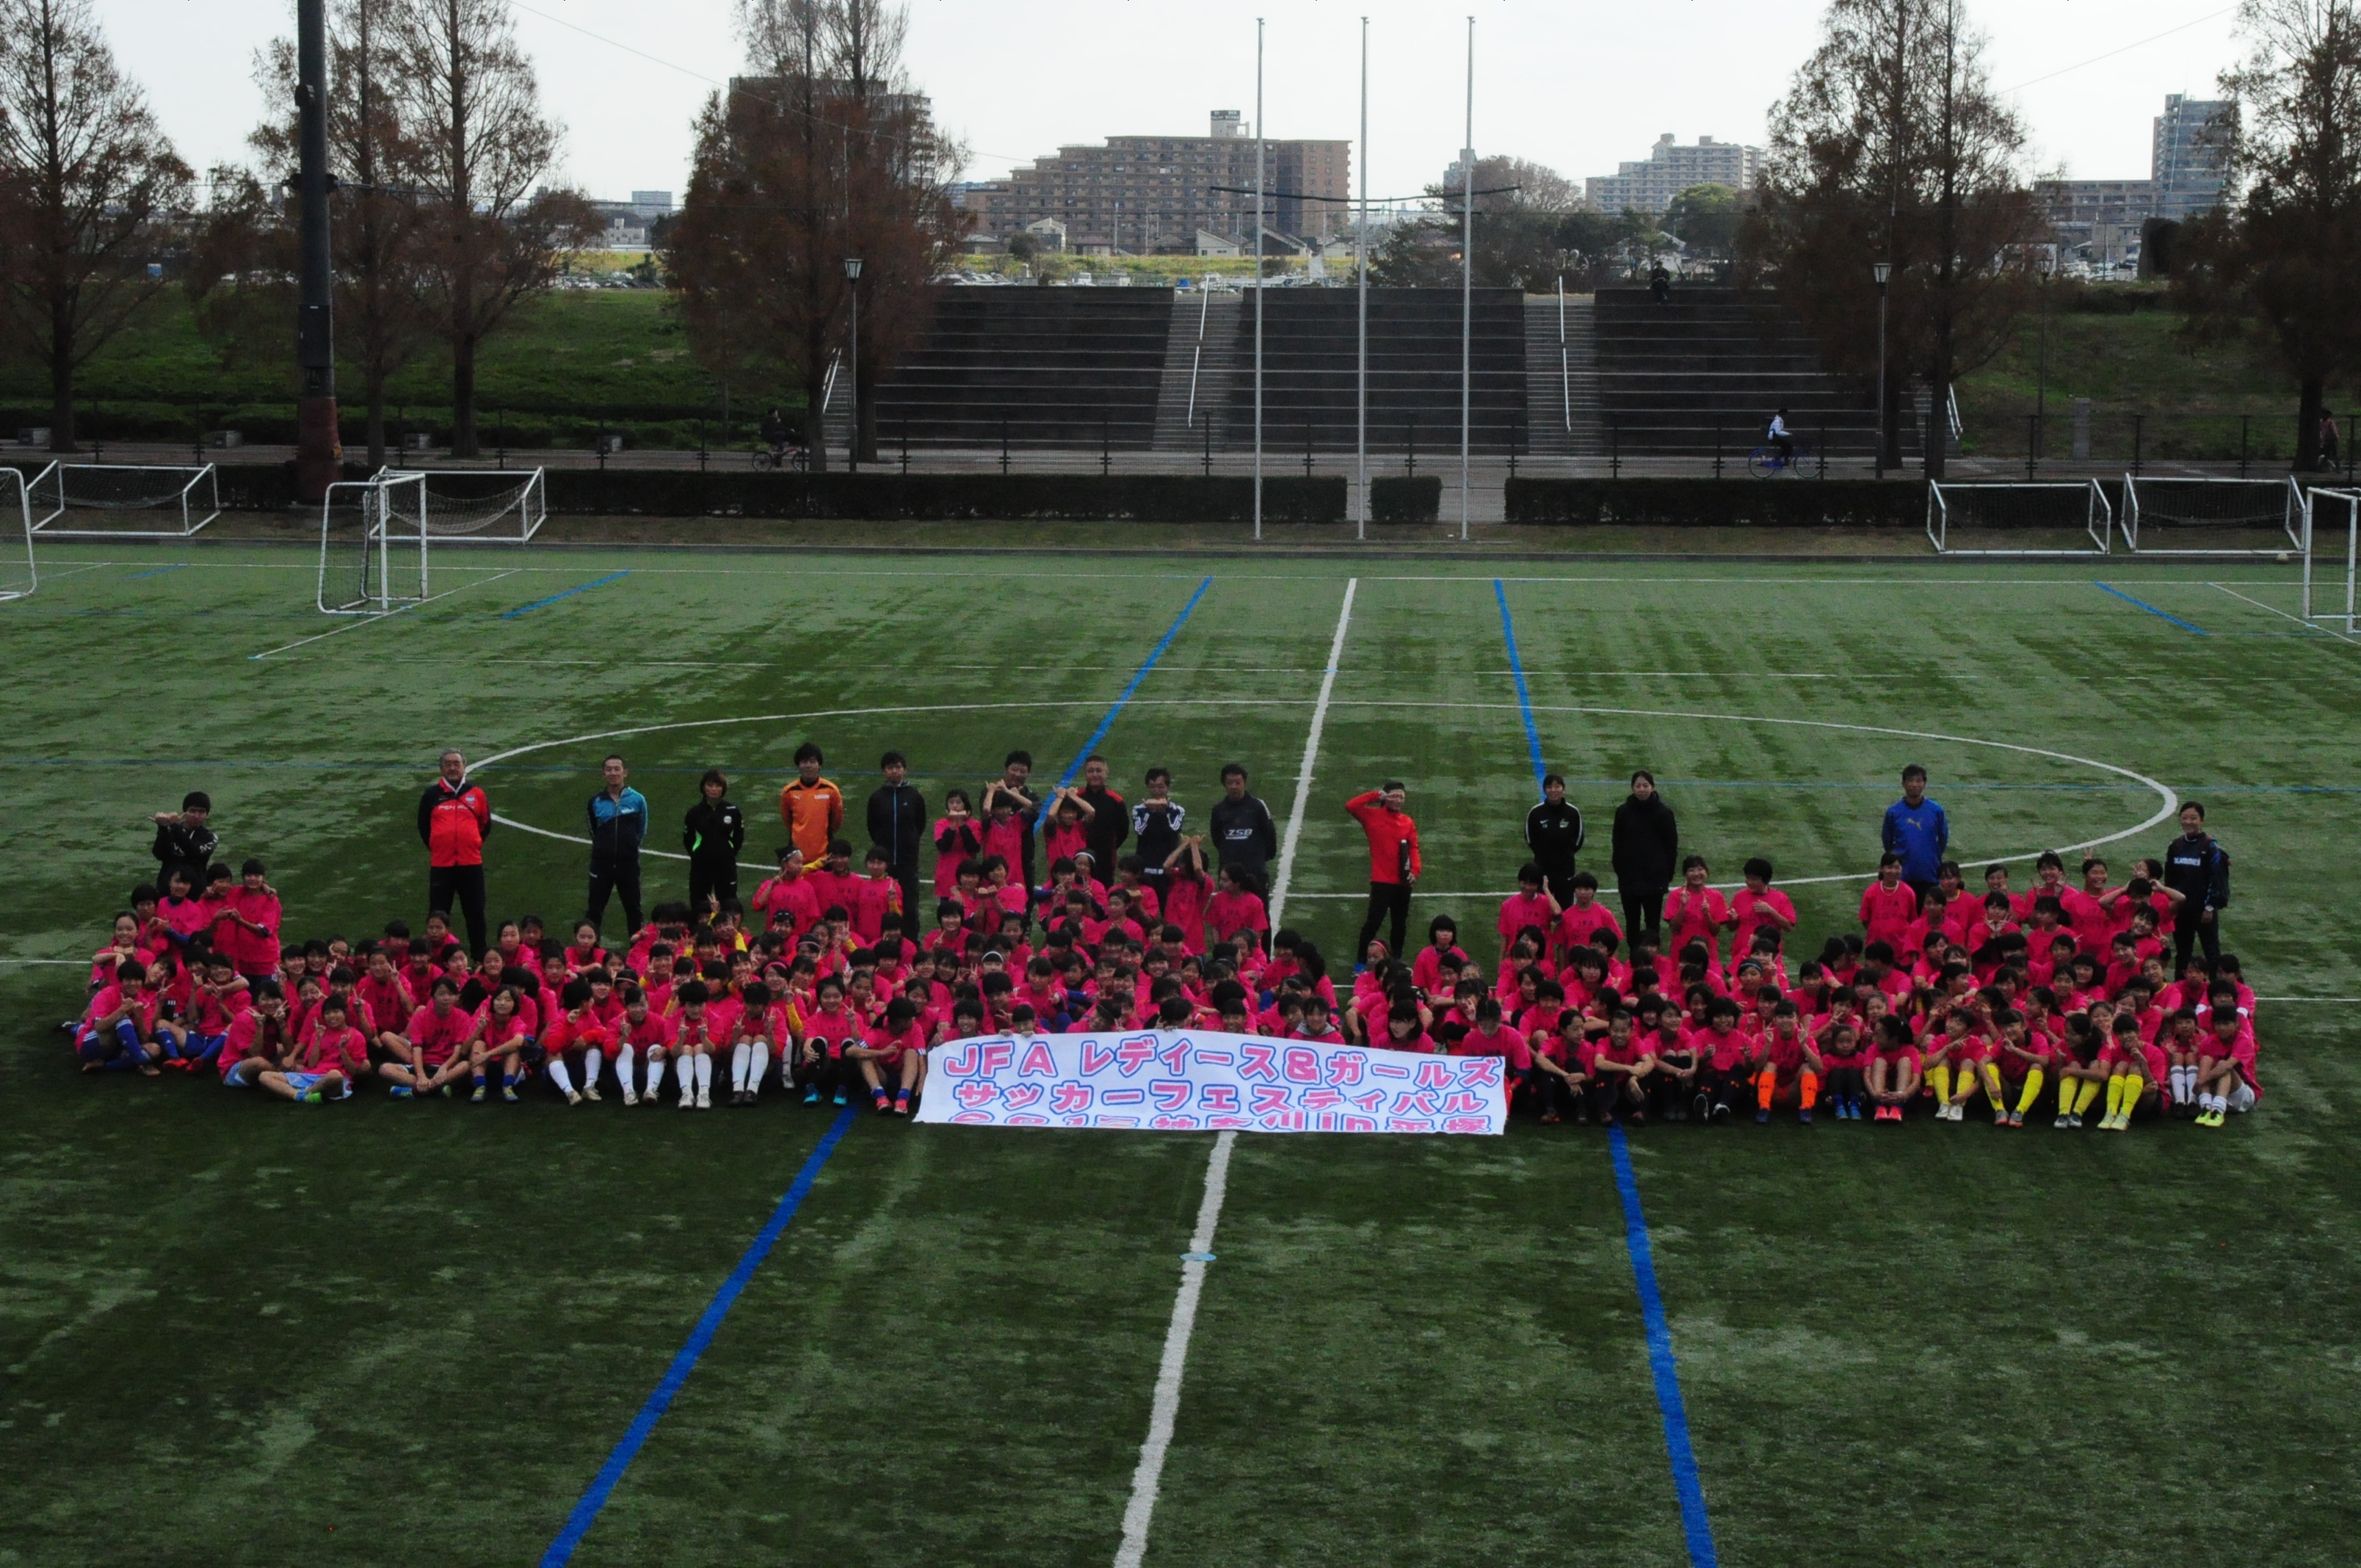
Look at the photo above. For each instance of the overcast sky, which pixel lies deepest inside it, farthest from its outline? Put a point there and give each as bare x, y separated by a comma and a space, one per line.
1578, 87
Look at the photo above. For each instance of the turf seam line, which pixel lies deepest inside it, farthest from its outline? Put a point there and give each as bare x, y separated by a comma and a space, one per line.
1132, 686
579, 588
2161, 615
2283, 614
388, 615
602, 1486
1164, 1410
1665, 1370
1310, 755
1524, 693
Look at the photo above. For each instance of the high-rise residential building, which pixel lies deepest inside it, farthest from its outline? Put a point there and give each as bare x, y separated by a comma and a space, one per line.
1671, 168
2188, 154
1153, 193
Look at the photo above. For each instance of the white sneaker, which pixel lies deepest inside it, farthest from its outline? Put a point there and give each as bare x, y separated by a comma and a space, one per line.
705, 1099
688, 1100
591, 1092
573, 1096
631, 1097
2063, 1119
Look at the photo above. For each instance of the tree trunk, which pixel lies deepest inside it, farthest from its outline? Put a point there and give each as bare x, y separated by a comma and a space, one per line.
1892, 420
864, 416
462, 396
1939, 401
61, 381
374, 392
2307, 424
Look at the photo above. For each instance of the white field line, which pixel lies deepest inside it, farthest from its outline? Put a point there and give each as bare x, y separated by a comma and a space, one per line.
1310, 755
388, 615
1164, 1410
2280, 613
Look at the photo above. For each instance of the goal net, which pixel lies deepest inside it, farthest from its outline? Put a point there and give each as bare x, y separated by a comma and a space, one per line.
478, 506
122, 500
19, 575
2157, 509
2003, 517
2331, 518
373, 542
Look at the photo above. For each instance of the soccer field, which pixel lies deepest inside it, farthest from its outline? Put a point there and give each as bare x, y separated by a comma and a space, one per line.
240, 1331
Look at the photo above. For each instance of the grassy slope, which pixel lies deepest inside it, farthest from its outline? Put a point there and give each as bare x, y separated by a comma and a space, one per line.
229, 1328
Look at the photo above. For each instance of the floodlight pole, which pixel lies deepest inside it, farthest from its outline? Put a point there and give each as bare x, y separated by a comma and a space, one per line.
852, 365
1361, 262
1257, 282
1467, 278
1884, 270
318, 450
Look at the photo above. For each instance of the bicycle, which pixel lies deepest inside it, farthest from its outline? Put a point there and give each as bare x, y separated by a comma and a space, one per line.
783, 456
1765, 463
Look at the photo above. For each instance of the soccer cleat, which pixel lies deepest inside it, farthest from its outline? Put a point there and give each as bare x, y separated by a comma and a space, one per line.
901, 1105
811, 1095
478, 1097
1763, 1116
705, 1099
1720, 1111
591, 1092
2016, 1118
839, 1097
572, 1097
1550, 1118
312, 1097
631, 1097
509, 1093
398, 1092
2123, 1122
1701, 1108
689, 1098
450, 1091
1804, 1114
2064, 1119
2073, 1121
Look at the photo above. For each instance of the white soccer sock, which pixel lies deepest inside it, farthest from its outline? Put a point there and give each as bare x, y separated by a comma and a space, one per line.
738, 1054
655, 1076
762, 1065
592, 1060
2183, 1081
705, 1075
558, 1076
623, 1068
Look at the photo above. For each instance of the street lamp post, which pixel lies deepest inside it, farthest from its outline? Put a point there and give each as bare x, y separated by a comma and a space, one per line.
1883, 271
852, 367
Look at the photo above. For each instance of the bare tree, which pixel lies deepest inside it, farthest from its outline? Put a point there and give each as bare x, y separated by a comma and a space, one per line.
466, 96
88, 189
2280, 262
1892, 146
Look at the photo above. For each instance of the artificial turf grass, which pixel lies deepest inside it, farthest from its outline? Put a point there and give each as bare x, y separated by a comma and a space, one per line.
2039, 656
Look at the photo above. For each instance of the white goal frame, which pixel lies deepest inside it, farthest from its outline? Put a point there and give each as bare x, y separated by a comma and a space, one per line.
393, 524
2291, 517
2350, 501
197, 500
2098, 520
9, 590
530, 508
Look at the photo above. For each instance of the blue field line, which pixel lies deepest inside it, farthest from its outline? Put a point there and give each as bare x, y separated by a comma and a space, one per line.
177, 566
1524, 696
1132, 686
583, 588
586, 1512
2185, 626
1694, 1523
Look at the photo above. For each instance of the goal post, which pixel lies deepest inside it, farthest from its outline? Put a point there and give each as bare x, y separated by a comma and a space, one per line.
2329, 512
373, 544
2158, 505
481, 506
1979, 507
20, 575
124, 500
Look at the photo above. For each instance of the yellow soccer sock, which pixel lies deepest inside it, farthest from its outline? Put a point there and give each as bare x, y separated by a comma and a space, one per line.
1940, 1075
2032, 1090
2114, 1097
2085, 1090
1992, 1090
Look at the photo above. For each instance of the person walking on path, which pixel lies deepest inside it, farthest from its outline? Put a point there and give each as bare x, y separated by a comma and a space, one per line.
2199, 870
619, 825
897, 825
1918, 830
1394, 863
1647, 852
712, 833
453, 818
1553, 834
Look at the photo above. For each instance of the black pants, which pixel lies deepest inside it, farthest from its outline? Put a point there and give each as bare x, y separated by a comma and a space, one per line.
1386, 899
907, 879
1845, 1083
615, 877
465, 886
715, 878
1559, 880
1644, 914
2188, 932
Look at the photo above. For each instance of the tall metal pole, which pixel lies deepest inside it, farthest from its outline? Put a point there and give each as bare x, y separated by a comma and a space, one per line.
317, 448
853, 379
1884, 270
1361, 261
1258, 279
1467, 278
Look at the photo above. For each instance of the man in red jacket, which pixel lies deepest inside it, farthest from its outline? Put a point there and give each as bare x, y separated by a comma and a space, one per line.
453, 817
1393, 860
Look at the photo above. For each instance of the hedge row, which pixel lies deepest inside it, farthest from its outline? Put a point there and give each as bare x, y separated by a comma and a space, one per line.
1045, 497
1793, 502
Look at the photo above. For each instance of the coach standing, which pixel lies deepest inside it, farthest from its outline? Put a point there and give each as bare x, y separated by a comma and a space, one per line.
897, 825
2199, 870
1394, 864
454, 817
1245, 836
1919, 831
1647, 847
1552, 833
712, 832
618, 823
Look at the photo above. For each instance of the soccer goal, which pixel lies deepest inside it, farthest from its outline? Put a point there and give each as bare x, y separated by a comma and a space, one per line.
2000, 507
2323, 511
481, 506
123, 501
18, 578
373, 542
2158, 506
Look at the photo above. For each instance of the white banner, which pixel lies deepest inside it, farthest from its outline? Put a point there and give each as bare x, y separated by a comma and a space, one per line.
1185, 1081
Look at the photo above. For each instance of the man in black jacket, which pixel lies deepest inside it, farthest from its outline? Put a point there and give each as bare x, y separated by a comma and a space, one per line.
1109, 821
1245, 836
183, 842
897, 825
2199, 870
712, 832
1647, 849
1554, 832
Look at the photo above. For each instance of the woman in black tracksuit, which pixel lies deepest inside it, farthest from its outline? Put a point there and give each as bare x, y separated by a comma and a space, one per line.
713, 832
1647, 852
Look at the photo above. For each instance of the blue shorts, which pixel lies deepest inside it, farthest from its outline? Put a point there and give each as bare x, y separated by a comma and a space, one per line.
305, 1082
236, 1078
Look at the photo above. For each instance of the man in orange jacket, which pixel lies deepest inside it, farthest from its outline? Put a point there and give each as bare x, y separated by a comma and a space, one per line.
453, 817
1394, 863
811, 806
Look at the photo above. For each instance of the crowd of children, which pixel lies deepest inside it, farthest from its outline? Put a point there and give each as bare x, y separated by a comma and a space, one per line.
826, 988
